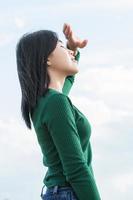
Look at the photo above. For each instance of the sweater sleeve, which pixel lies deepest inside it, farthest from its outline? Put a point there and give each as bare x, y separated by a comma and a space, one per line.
70, 79
62, 128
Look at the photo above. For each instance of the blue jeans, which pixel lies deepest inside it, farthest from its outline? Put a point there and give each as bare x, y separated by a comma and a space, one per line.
58, 193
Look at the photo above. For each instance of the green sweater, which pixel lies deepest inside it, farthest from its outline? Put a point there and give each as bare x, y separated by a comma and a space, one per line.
63, 133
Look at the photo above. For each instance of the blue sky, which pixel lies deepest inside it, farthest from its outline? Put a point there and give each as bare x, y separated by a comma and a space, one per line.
102, 91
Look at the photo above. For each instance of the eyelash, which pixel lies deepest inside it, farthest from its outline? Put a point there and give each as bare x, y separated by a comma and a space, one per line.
64, 47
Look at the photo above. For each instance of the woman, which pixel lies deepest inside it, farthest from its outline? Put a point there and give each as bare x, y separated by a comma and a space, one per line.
46, 71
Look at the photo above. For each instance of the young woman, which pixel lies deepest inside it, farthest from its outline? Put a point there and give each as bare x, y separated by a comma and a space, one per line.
46, 71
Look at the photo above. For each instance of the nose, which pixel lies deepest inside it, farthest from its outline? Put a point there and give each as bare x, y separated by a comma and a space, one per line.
71, 52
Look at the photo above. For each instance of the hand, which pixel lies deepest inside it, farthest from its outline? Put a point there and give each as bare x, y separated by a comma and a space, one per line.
73, 42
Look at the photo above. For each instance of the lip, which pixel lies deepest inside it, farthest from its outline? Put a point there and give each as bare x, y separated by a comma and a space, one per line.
73, 59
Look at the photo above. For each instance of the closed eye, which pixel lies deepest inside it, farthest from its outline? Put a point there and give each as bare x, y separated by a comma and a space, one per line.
64, 47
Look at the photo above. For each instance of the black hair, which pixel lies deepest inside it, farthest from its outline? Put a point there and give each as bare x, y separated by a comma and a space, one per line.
32, 51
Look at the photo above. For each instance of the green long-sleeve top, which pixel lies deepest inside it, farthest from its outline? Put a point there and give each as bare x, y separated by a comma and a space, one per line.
63, 133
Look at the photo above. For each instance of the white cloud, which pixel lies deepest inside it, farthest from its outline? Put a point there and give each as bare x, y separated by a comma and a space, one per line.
112, 5
15, 136
107, 56
20, 22
6, 38
81, 6
20, 159
104, 94
97, 111
107, 83
123, 182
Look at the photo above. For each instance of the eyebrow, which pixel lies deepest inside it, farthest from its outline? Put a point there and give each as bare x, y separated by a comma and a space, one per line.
60, 41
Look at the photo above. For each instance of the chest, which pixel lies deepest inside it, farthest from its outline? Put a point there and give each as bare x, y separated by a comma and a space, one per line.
83, 126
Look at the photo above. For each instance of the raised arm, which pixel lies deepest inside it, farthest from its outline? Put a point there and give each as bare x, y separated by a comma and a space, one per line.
73, 43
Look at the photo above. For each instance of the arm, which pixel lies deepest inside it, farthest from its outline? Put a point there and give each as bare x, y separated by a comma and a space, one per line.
62, 128
70, 79
73, 43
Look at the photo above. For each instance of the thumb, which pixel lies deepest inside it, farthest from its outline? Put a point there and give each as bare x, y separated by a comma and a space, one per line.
83, 43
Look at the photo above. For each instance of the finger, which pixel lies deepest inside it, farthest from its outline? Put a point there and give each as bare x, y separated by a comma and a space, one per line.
64, 27
67, 30
83, 43
69, 35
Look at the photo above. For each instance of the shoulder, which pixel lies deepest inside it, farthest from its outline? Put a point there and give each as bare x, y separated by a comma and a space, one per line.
59, 99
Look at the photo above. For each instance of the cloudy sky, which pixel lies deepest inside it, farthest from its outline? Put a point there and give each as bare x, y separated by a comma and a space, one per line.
102, 91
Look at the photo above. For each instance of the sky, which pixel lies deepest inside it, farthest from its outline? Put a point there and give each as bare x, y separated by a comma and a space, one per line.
102, 91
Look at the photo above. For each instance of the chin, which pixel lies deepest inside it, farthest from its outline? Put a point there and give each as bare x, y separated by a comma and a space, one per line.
72, 70
75, 72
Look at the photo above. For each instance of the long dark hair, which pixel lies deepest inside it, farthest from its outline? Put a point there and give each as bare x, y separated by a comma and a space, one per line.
32, 51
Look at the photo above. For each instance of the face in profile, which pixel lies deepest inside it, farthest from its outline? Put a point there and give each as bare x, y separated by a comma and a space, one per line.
62, 60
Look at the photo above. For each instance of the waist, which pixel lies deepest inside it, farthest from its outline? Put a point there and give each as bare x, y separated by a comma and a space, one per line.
61, 186
56, 188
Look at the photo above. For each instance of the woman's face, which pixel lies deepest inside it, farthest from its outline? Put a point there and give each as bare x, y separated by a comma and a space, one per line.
62, 60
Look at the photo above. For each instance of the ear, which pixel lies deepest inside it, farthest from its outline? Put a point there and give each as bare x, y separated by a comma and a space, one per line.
48, 62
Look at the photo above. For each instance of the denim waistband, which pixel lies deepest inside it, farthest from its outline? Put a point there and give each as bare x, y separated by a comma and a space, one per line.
54, 189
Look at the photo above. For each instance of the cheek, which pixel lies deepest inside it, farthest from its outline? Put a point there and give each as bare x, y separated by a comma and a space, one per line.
62, 60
